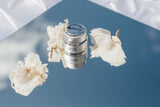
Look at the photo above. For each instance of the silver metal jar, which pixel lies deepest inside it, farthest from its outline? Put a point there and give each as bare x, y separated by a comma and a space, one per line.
75, 46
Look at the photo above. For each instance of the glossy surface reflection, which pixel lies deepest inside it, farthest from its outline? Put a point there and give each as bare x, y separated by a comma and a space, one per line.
97, 84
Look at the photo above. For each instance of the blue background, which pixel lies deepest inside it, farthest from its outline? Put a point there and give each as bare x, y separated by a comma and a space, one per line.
97, 84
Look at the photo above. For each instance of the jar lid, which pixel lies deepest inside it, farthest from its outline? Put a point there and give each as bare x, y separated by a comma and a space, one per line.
75, 29
75, 34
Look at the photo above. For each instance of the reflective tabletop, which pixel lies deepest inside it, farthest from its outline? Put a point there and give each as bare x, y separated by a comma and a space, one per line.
97, 84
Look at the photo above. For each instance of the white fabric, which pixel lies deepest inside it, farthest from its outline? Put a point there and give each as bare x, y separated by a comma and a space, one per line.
107, 47
16, 13
55, 46
28, 75
145, 11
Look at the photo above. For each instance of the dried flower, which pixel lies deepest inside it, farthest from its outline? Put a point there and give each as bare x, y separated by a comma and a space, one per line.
55, 46
28, 75
107, 47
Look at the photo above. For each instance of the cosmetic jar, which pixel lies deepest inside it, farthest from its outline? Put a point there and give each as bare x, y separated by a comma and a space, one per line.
75, 46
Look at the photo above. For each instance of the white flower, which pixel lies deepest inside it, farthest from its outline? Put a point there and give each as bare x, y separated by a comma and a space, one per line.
28, 75
107, 47
55, 46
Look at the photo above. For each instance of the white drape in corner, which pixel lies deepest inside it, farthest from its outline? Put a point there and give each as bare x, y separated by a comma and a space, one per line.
145, 11
16, 13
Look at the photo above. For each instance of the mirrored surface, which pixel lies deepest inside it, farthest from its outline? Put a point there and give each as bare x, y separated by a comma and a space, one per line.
97, 84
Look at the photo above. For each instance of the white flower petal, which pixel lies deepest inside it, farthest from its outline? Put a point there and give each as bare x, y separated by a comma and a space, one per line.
107, 47
55, 46
28, 75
